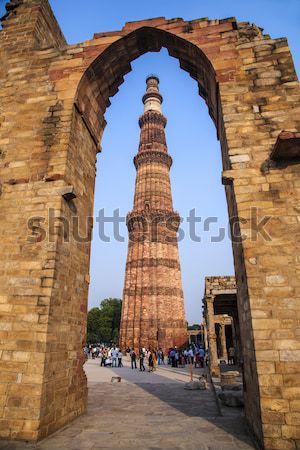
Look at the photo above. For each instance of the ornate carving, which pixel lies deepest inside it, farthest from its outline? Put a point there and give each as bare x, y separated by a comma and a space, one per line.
154, 290
153, 262
152, 117
152, 94
145, 218
152, 323
152, 156
151, 136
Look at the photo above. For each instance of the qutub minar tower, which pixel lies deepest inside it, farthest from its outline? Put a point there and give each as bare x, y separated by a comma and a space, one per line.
153, 305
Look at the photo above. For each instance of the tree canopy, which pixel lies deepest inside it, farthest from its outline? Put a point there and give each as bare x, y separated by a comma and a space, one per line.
103, 323
194, 327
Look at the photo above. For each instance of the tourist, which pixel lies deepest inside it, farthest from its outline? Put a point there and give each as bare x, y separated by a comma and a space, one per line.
114, 354
142, 356
108, 361
104, 357
202, 356
197, 359
150, 362
133, 359
191, 356
172, 357
186, 356
120, 364
169, 356
101, 356
86, 352
162, 356
231, 355
159, 357
154, 359
176, 357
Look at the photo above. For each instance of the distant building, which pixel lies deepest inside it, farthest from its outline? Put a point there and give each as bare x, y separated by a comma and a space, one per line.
220, 319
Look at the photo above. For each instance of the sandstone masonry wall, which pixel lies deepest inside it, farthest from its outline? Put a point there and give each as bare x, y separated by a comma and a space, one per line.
52, 100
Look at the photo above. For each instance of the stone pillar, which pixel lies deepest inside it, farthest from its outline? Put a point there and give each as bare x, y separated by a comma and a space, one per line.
218, 337
212, 338
223, 341
205, 334
202, 336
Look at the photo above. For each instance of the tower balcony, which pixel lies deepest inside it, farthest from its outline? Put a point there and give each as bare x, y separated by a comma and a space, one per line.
152, 117
154, 222
152, 156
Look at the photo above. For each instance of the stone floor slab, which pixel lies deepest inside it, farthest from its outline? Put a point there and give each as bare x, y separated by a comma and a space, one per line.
148, 411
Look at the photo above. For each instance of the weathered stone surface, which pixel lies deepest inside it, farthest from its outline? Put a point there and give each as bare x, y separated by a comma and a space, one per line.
153, 286
42, 79
232, 387
170, 413
229, 377
232, 398
195, 385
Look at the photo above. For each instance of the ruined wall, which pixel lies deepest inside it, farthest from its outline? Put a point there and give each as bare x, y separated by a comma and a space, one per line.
43, 324
46, 144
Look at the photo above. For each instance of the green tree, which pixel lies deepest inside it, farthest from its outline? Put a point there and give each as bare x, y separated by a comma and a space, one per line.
94, 325
194, 327
104, 322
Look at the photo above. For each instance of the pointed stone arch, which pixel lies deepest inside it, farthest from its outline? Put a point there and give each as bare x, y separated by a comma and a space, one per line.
103, 77
48, 151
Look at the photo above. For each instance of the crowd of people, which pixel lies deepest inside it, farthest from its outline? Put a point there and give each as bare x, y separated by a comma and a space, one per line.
111, 356
153, 358
193, 354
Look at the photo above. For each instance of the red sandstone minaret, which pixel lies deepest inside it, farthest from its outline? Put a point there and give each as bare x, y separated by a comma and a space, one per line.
153, 306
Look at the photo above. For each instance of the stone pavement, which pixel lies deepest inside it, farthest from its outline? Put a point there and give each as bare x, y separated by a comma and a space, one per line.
146, 411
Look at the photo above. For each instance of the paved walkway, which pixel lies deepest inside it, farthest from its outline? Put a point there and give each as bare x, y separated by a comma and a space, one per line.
146, 411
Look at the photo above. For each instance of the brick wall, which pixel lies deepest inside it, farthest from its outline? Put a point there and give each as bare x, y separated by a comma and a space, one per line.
46, 143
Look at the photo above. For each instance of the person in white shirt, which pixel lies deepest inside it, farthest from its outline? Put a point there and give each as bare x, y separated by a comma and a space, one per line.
114, 354
186, 356
191, 356
108, 362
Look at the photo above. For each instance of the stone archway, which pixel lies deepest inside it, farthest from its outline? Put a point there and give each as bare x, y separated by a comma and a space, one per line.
54, 97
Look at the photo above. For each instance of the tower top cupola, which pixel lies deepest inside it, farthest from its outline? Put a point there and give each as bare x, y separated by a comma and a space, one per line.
152, 99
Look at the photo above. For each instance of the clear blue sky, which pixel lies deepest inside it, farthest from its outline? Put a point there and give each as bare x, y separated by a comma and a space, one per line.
191, 136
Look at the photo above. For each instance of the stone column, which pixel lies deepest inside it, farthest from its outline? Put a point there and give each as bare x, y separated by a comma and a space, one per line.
205, 334
202, 336
223, 341
212, 339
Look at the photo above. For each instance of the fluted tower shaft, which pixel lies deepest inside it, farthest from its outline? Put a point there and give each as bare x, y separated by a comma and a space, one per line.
153, 306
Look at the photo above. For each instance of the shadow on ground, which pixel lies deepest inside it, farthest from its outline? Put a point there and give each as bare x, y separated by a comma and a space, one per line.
151, 412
